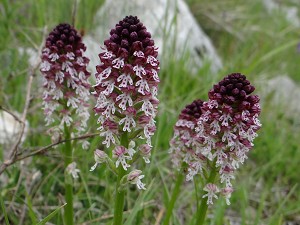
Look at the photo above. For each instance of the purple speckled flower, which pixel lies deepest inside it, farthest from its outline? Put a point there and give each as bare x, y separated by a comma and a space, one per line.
126, 85
185, 139
212, 191
228, 125
135, 177
218, 133
66, 88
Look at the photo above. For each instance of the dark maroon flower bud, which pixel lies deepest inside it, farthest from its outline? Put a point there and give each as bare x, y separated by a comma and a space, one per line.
124, 43
133, 36
235, 91
253, 99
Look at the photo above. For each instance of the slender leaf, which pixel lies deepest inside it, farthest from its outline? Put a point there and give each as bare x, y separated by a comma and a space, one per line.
51, 215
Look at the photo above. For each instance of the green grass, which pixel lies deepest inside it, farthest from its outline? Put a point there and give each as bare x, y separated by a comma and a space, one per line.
248, 40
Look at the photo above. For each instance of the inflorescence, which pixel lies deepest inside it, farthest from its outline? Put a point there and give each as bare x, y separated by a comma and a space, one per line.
126, 89
65, 75
217, 134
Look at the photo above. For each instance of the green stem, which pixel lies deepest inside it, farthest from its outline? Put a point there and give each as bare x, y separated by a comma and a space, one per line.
139, 217
196, 186
201, 211
120, 192
68, 210
180, 178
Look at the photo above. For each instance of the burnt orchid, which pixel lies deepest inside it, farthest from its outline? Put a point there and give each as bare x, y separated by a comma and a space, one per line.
65, 79
126, 93
66, 96
182, 151
127, 80
228, 126
212, 138
185, 138
126, 89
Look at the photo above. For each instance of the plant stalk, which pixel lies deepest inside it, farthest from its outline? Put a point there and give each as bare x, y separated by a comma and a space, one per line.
176, 190
120, 192
201, 211
68, 210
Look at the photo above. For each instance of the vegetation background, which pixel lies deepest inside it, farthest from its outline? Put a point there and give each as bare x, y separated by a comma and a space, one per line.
248, 39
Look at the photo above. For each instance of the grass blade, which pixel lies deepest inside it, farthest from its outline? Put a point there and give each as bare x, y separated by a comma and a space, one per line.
137, 206
51, 215
4, 211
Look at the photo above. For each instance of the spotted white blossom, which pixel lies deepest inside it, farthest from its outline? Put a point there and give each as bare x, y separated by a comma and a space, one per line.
212, 191
71, 169
122, 155
100, 157
135, 177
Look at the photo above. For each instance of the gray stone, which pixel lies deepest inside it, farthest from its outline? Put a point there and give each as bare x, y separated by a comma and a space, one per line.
92, 51
10, 128
284, 93
290, 12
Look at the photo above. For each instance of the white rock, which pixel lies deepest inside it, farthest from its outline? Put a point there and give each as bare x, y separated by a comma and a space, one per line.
290, 12
92, 51
10, 129
172, 25
32, 53
285, 93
